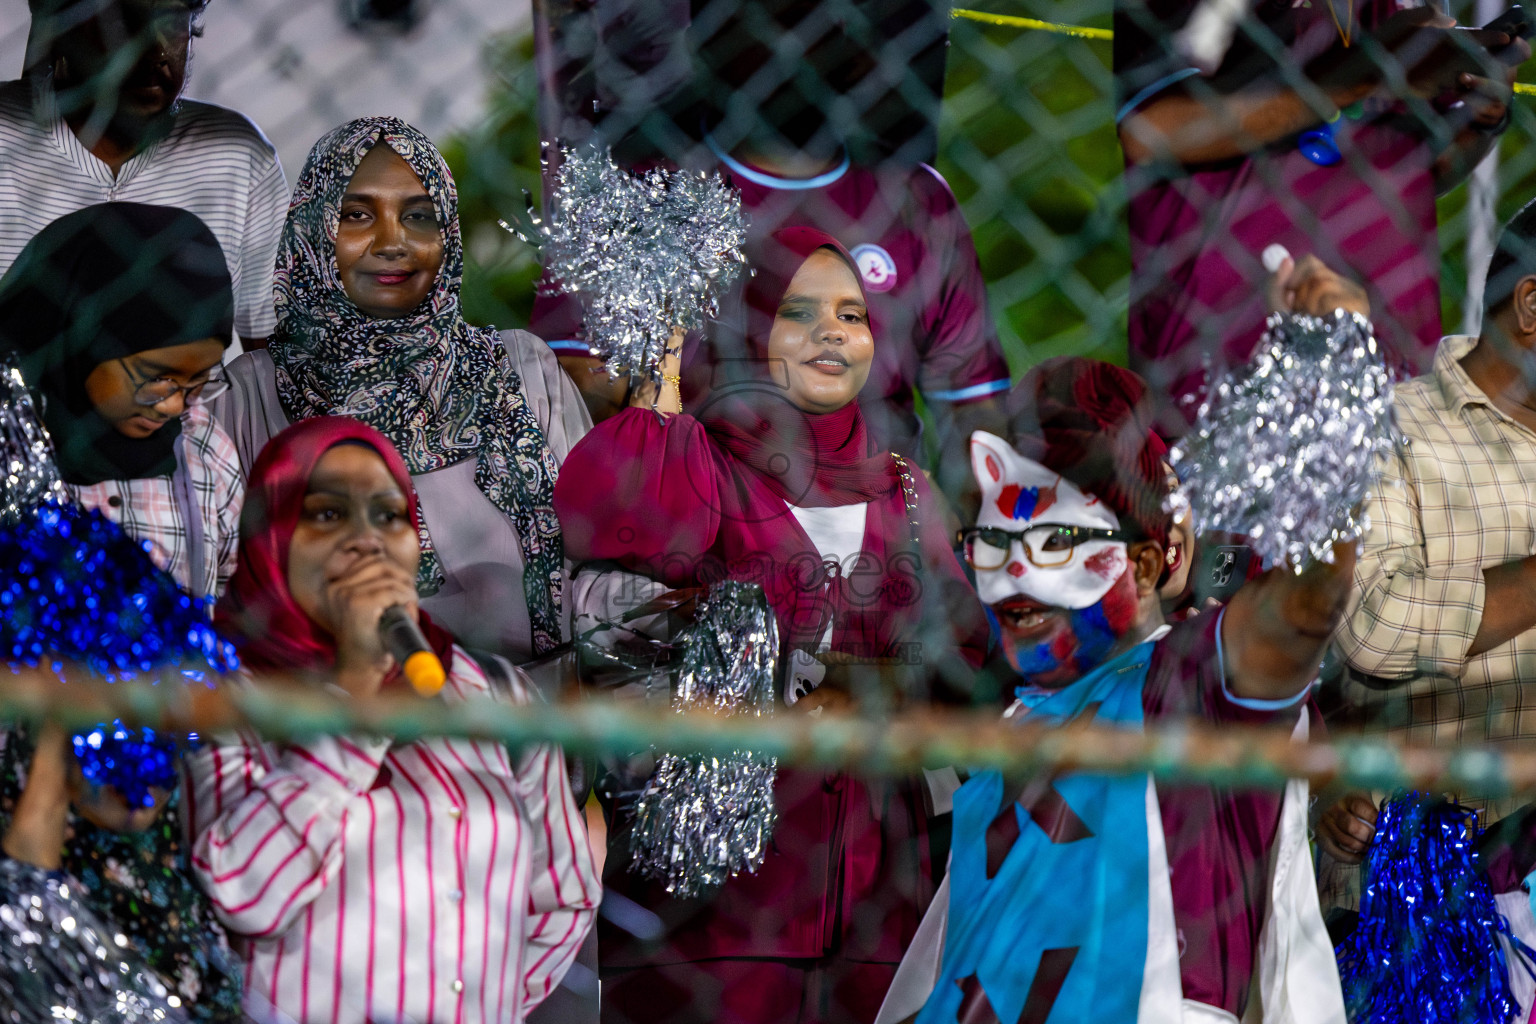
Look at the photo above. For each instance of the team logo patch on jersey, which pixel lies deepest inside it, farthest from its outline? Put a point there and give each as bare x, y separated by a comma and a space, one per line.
876, 267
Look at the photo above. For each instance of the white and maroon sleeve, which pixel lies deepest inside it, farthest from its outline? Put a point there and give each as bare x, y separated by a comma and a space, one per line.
267, 823
563, 887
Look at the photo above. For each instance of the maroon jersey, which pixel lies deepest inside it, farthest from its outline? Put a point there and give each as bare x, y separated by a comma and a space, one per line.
1197, 232
1219, 838
927, 299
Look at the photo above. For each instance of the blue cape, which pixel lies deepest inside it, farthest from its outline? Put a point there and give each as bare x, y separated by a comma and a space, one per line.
1058, 933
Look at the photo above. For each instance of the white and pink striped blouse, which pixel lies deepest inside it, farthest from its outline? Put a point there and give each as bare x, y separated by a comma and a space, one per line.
427, 881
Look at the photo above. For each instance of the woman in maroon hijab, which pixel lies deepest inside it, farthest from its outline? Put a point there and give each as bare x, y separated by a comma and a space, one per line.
367, 877
774, 480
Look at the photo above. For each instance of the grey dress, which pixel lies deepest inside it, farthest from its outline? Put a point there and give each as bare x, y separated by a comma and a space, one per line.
481, 601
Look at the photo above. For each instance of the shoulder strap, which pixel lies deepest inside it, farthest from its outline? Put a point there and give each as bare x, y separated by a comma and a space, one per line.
909, 498
498, 671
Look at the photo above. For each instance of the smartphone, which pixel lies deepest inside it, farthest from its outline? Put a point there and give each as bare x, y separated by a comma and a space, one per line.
1516, 22
1222, 571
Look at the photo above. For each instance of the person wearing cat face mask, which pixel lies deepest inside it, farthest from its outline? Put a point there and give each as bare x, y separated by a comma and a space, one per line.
1202, 889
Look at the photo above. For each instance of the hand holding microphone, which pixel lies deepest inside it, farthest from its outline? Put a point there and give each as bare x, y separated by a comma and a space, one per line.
403, 639
369, 610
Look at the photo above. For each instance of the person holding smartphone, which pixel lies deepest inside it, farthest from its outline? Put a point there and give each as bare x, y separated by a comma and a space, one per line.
1328, 128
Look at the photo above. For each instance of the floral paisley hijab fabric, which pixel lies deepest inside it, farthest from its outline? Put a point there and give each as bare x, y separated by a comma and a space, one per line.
441, 390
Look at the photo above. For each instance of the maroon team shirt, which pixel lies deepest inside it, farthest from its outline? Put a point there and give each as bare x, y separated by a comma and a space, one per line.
1197, 233
1219, 838
927, 298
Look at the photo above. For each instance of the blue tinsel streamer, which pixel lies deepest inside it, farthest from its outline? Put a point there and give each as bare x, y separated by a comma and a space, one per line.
74, 587
1426, 950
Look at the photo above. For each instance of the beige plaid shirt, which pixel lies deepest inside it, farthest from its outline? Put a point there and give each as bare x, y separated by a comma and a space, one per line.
1459, 498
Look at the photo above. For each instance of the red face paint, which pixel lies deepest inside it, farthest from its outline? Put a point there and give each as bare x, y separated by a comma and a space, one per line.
1068, 643
1045, 655
1047, 499
1120, 604
1106, 563
1008, 500
1016, 569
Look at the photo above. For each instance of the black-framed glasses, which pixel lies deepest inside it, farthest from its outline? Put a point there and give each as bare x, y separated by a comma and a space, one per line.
163, 389
1046, 545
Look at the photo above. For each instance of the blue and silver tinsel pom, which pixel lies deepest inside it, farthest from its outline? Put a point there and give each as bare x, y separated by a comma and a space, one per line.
1428, 947
75, 588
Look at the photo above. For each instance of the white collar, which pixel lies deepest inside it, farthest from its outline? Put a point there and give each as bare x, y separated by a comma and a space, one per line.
767, 180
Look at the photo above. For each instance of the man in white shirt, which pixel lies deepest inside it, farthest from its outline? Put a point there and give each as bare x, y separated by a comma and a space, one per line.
98, 117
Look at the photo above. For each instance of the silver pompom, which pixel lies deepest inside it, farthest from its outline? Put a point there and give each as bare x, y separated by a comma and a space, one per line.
26, 452
703, 819
58, 961
1286, 449
647, 253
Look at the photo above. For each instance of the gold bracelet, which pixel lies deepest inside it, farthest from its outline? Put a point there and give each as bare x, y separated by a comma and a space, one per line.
675, 379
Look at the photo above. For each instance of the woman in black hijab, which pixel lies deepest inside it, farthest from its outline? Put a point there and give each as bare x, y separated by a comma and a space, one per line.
118, 316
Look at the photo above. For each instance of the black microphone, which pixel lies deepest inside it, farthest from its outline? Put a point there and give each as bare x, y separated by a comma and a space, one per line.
402, 638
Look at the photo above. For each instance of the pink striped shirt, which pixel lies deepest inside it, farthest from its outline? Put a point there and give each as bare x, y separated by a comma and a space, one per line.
433, 880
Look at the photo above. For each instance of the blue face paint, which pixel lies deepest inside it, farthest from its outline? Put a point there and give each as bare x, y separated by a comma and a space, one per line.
1095, 640
1095, 637
1024, 505
994, 627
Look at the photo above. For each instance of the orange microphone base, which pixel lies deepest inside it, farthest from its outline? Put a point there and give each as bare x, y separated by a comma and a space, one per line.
425, 673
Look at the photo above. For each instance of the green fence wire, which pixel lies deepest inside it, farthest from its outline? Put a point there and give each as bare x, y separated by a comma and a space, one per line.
1229, 756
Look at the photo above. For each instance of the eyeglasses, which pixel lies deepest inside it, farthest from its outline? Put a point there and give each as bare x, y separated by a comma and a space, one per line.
163, 389
1047, 545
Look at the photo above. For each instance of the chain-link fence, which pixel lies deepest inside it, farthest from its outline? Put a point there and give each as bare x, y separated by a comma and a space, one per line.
1012, 183
1024, 133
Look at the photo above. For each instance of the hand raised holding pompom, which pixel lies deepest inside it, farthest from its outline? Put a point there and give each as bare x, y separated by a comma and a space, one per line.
1284, 449
1312, 288
1276, 628
665, 395
1347, 828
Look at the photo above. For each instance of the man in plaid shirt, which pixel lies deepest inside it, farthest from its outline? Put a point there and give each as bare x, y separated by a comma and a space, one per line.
1445, 591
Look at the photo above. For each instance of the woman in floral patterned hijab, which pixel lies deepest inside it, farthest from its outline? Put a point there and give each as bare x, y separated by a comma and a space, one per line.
370, 326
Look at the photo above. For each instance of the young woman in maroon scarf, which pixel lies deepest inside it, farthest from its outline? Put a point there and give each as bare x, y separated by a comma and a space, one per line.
368, 878
774, 480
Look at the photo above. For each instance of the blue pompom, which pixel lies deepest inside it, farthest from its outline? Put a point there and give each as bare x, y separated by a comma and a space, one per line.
74, 586
1427, 947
